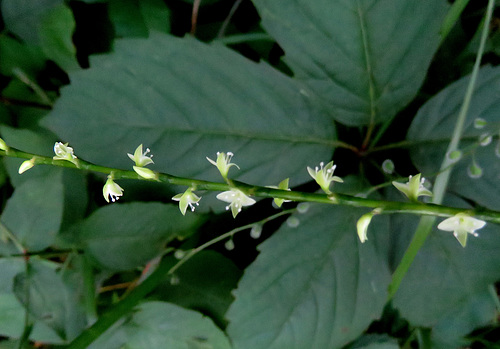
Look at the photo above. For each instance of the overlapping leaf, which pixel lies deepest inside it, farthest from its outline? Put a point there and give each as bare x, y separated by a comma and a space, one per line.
433, 126
366, 58
159, 325
186, 100
313, 286
124, 236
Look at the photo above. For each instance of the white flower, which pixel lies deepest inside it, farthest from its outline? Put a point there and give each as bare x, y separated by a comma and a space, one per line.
63, 152
413, 188
111, 190
462, 224
140, 158
223, 163
26, 165
237, 199
188, 198
323, 175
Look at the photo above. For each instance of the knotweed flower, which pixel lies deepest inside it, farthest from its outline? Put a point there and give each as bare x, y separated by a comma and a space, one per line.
63, 152
236, 199
26, 165
461, 225
111, 190
323, 175
140, 158
413, 188
188, 198
223, 163
283, 186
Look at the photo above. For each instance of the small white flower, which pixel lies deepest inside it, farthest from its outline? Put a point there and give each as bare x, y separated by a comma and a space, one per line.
26, 165
461, 225
63, 152
413, 188
323, 175
223, 163
188, 198
111, 190
140, 158
237, 199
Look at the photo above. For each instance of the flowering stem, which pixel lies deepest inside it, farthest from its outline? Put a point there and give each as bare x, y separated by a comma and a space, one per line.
426, 223
264, 192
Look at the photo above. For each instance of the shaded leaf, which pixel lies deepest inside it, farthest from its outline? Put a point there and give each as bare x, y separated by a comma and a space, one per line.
433, 126
313, 286
56, 32
125, 236
35, 210
163, 325
366, 58
186, 100
24, 17
454, 276
50, 299
205, 285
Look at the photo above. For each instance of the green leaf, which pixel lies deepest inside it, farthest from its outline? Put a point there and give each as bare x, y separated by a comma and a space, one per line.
186, 100
366, 58
125, 236
35, 210
24, 17
157, 325
431, 130
51, 299
12, 312
127, 19
205, 284
445, 277
56, 32
28, 58
313, 286
156, 15
478, 310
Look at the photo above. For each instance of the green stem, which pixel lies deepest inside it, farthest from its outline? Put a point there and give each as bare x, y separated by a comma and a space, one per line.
426, 223
164, 269
265, 192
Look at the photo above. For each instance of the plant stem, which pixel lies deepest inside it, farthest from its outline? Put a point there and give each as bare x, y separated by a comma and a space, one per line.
265, 192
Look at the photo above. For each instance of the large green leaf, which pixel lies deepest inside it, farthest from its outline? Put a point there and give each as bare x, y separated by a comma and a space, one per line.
124, 236
445, 279
186, 100
366, 58
313, 286
158, 325
433, 126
